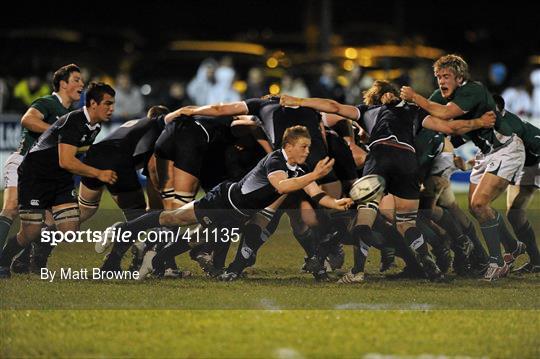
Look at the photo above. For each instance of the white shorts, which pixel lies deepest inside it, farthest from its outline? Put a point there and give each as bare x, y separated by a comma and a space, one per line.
506, 162
443, 165
529, 176
10, 169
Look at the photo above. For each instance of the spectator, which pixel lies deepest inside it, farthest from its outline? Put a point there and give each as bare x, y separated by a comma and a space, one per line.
358, 83
27, 91
517, 99
327, 85
129, 100
222, 90
255, 83
293, 86
199, 87
535, 81
176, 97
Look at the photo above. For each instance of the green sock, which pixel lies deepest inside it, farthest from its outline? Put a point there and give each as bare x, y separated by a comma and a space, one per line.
5, 226
508, 241
490, 230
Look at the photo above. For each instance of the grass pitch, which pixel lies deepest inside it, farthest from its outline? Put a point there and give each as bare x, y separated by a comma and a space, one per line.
275, 312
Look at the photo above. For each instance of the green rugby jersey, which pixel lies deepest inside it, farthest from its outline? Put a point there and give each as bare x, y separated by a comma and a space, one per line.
475, 100
51, 108
427, 144
529, 134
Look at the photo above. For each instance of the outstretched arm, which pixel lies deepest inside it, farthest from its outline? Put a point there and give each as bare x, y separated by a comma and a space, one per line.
322, 105
228, 109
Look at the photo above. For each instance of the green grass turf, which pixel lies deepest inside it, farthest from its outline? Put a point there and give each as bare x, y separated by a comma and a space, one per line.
275, 312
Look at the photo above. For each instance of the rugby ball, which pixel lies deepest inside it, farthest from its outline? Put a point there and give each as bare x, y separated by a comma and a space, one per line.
367, 188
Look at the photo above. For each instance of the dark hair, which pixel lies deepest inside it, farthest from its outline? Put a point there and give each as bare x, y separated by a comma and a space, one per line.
292, 134
62, 74
156, 111
96, 90
499, 102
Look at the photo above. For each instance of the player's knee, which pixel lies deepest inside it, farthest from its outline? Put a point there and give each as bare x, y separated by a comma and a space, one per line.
406, 220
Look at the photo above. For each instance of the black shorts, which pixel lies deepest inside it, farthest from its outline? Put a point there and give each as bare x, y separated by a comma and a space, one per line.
399, 168
316, 153
185, 144
344, 167
215, 210
109, 156
35, 193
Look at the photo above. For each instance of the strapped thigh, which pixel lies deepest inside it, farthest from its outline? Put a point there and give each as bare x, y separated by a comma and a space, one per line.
69, 214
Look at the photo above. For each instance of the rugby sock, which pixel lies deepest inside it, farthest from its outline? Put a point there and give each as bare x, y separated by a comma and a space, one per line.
220, 254
167, 254
360, 257
451, 225
415, 239
132, 213
362, 235
508, 241
526, 235
307, 240
11, 249
5, 226
479, 252
397, 241
490, 230
253, 239
142, 223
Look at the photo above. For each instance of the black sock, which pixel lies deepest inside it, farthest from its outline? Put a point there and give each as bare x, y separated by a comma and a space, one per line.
396, 240
415, 241
24, 256
133, 213
361, 249
307, 241
142, 223
449, 224
220, 251
11, 249
436, 242
167, 254
527, 236
247, 250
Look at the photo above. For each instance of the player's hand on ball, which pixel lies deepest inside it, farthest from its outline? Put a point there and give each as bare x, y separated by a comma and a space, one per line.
107, 176
323, 167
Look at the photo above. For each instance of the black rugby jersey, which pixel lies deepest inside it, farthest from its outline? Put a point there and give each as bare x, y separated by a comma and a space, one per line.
254, 191
395, 122
72, 129
276, 119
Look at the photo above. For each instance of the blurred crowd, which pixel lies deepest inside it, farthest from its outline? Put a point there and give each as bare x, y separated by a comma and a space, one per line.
217, 81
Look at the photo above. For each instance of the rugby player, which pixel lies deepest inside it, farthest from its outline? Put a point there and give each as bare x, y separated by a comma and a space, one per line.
46, 173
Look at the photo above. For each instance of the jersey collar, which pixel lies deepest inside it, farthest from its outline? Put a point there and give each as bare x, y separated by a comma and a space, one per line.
289, 166
58, 97
87, 115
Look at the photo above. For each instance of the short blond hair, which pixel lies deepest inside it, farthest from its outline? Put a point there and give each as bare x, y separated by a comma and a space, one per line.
454, 63
292, 134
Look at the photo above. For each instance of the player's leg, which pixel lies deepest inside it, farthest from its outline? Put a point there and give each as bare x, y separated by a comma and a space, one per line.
518, 199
